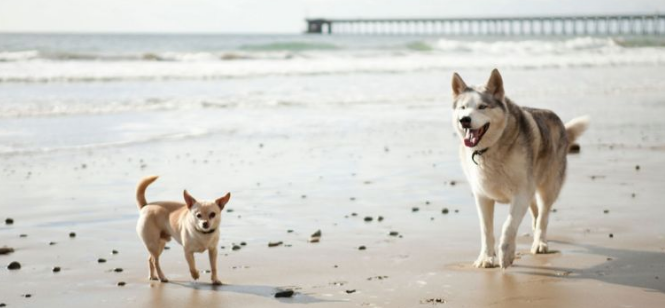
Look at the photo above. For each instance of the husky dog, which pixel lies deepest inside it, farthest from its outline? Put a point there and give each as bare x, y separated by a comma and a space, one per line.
510, 154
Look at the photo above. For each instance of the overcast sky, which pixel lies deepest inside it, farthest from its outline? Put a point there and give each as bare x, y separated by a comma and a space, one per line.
270, 16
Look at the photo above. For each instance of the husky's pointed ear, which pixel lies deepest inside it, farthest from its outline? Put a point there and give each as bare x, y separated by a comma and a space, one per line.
189, 200
495, 85
221, 202
458, 85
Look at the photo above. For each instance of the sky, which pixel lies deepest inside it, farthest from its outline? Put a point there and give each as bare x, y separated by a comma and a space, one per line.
271, 16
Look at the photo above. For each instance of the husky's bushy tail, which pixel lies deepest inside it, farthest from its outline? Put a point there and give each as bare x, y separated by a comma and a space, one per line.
140, 190
575, 128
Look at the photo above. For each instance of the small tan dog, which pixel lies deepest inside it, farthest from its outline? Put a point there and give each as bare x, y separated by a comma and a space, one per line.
194, 224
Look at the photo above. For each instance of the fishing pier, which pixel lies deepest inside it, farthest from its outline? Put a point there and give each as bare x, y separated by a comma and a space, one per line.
646, 24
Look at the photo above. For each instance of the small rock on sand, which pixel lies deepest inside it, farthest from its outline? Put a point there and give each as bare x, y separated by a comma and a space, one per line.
114, 252
445, 210
611, 235
121, 284
393, 233
362, 248
379, 219
9, 221
101, 260
274, 244
453, 183
14, 266
350, 291
27, 295
117, 270
316, 234
235, 247
415, 209
368, 218
6, 250
56, 269
433, 301
285, 293
637, 167
52, 243
72, 234
606, 211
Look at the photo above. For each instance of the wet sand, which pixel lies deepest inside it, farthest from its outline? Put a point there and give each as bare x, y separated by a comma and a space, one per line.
313, 174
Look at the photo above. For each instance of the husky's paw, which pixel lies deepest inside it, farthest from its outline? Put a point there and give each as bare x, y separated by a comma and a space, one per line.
506, 255
485, 261
539, 247
195, 274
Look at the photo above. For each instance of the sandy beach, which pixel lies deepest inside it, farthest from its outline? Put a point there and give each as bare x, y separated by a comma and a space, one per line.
296, 168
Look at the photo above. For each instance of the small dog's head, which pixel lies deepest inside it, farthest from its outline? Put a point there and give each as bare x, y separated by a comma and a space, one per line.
479, 113
207, 214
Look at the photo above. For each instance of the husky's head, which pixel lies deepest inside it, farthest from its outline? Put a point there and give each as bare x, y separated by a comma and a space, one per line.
479, 113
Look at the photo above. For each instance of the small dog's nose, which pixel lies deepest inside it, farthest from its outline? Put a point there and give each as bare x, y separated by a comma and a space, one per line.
465, 121
205, 224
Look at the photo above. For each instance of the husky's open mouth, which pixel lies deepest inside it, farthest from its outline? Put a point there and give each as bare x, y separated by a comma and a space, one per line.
472, 136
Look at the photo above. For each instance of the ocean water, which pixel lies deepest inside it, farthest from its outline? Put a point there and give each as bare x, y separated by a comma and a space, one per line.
68, 92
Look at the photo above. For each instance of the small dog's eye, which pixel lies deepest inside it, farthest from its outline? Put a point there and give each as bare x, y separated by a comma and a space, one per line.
481, 107
199, 215
212, 215
463, 107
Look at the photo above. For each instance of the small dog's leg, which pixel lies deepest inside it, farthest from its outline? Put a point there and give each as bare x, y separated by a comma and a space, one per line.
212, 255
192, 264
160, 274
151, 275
534, 214
518, 207
540, 234
485, 208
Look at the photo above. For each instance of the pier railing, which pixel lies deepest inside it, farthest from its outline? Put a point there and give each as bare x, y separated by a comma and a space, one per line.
653, 24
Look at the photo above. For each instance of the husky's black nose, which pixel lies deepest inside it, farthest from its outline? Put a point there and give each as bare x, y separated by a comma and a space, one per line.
465, 121
205, 225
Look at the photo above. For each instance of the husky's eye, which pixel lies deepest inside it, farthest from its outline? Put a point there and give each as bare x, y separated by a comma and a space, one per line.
212, 215
481, 107
198, 215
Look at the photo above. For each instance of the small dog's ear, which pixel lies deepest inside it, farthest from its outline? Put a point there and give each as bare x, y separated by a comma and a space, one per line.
458, 85
221, 202
189, 200
495, 85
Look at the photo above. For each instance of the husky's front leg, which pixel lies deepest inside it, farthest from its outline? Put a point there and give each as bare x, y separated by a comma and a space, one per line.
485, 208
518, 208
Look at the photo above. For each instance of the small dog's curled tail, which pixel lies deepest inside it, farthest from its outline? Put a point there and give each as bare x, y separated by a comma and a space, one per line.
575, 128
140, 190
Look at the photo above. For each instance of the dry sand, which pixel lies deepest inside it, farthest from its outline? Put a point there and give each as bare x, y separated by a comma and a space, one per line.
312, 175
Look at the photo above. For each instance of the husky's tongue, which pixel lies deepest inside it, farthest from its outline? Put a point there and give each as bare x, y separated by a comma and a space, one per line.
472, 137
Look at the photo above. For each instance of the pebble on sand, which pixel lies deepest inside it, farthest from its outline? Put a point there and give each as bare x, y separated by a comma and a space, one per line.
101, 260
27, 295
445, 210
6, 250
117, 270
274, 244
637, 167
415, 209
14, 266
393, 233
606, 211
285, 293
611, 235
121, 284
235, 247
350, 291
362, 248
114, 252
9, 221
52, 243
56, 269
72, 234
368, 218
379, 219
315, 237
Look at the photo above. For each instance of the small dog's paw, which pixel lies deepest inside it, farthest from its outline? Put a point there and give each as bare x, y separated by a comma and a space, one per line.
195, 274
163, 280
216, 282
506, 255
153, 278
539, 247
484, 261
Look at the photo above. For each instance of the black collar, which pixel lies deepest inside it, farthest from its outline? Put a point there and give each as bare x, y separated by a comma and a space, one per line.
205, 232
479, 153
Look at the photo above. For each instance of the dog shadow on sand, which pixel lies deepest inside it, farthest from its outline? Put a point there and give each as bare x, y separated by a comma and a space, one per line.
634, 268
257, 290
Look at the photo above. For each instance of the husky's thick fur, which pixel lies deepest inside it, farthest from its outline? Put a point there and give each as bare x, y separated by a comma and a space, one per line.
510, 154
